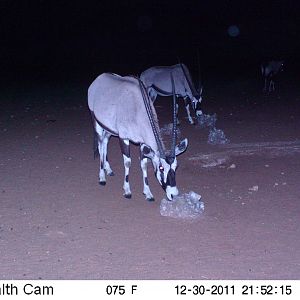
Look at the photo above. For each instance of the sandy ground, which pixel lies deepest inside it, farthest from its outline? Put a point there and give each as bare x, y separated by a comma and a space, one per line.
56, 222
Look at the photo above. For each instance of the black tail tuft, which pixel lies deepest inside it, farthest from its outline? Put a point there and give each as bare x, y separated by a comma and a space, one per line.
96, 153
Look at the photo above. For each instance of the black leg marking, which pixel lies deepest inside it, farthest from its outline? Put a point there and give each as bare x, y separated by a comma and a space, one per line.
96, 151
146, 181
101, 168
146, 191
125, 148
111, 173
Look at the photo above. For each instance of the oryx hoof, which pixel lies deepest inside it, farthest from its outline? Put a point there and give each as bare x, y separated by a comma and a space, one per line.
111, 173
102, 182
127, 196
150, 199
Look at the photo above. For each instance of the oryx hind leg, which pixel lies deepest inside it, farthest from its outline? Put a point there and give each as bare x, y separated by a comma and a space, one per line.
146, 189
265, 86
272, 86
125, 148
103, 139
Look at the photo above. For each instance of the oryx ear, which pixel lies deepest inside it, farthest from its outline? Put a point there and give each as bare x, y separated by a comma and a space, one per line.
181, 147
147, 151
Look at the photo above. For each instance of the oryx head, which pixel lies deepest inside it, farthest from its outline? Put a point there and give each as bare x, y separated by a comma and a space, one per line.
165, 167
197, 99
194, 94
198, 96
165, 164
281, 65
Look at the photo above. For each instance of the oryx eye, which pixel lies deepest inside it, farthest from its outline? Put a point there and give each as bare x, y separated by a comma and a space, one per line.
161, 168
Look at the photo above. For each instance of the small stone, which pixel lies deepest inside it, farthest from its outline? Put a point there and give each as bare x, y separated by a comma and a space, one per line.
254, 188
232, 166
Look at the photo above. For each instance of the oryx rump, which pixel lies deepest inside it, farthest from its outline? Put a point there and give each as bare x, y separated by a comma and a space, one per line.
120, 107
269, 71
157, 82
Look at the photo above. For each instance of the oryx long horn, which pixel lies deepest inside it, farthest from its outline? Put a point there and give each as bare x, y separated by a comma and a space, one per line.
191, 86
199, 73
174, 132
150, 116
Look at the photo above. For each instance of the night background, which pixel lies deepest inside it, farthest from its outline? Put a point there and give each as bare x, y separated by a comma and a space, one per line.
65, 40
57, 222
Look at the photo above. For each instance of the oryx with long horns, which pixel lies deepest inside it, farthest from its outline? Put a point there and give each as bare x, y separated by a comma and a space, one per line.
157, 82
269, 72
121, 107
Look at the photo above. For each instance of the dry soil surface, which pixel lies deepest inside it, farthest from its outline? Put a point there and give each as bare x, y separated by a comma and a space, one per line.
57, 222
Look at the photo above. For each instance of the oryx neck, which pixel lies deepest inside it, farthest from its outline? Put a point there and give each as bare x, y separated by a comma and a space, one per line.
153, 120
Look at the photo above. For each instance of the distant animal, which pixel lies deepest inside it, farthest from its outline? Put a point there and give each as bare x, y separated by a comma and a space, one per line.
157, 82
121, 107
269, 71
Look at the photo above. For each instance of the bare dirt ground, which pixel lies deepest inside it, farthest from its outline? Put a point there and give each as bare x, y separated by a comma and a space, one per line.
56, 222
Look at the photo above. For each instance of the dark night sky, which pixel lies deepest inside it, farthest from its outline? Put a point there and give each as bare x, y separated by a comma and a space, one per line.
45, 39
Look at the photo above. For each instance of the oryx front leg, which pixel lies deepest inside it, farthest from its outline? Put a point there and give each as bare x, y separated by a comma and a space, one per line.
177, 107
187, 107
125, 148
146, 189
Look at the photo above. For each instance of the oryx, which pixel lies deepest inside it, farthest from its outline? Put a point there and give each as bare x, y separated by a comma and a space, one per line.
269, 71
157, 82
120, 107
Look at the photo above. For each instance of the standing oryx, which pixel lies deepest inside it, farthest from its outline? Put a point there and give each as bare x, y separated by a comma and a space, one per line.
157, 82
120, 107
269, 71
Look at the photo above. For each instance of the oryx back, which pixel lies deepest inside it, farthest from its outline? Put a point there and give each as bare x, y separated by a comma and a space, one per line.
271, 68
117, 105
159, 77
